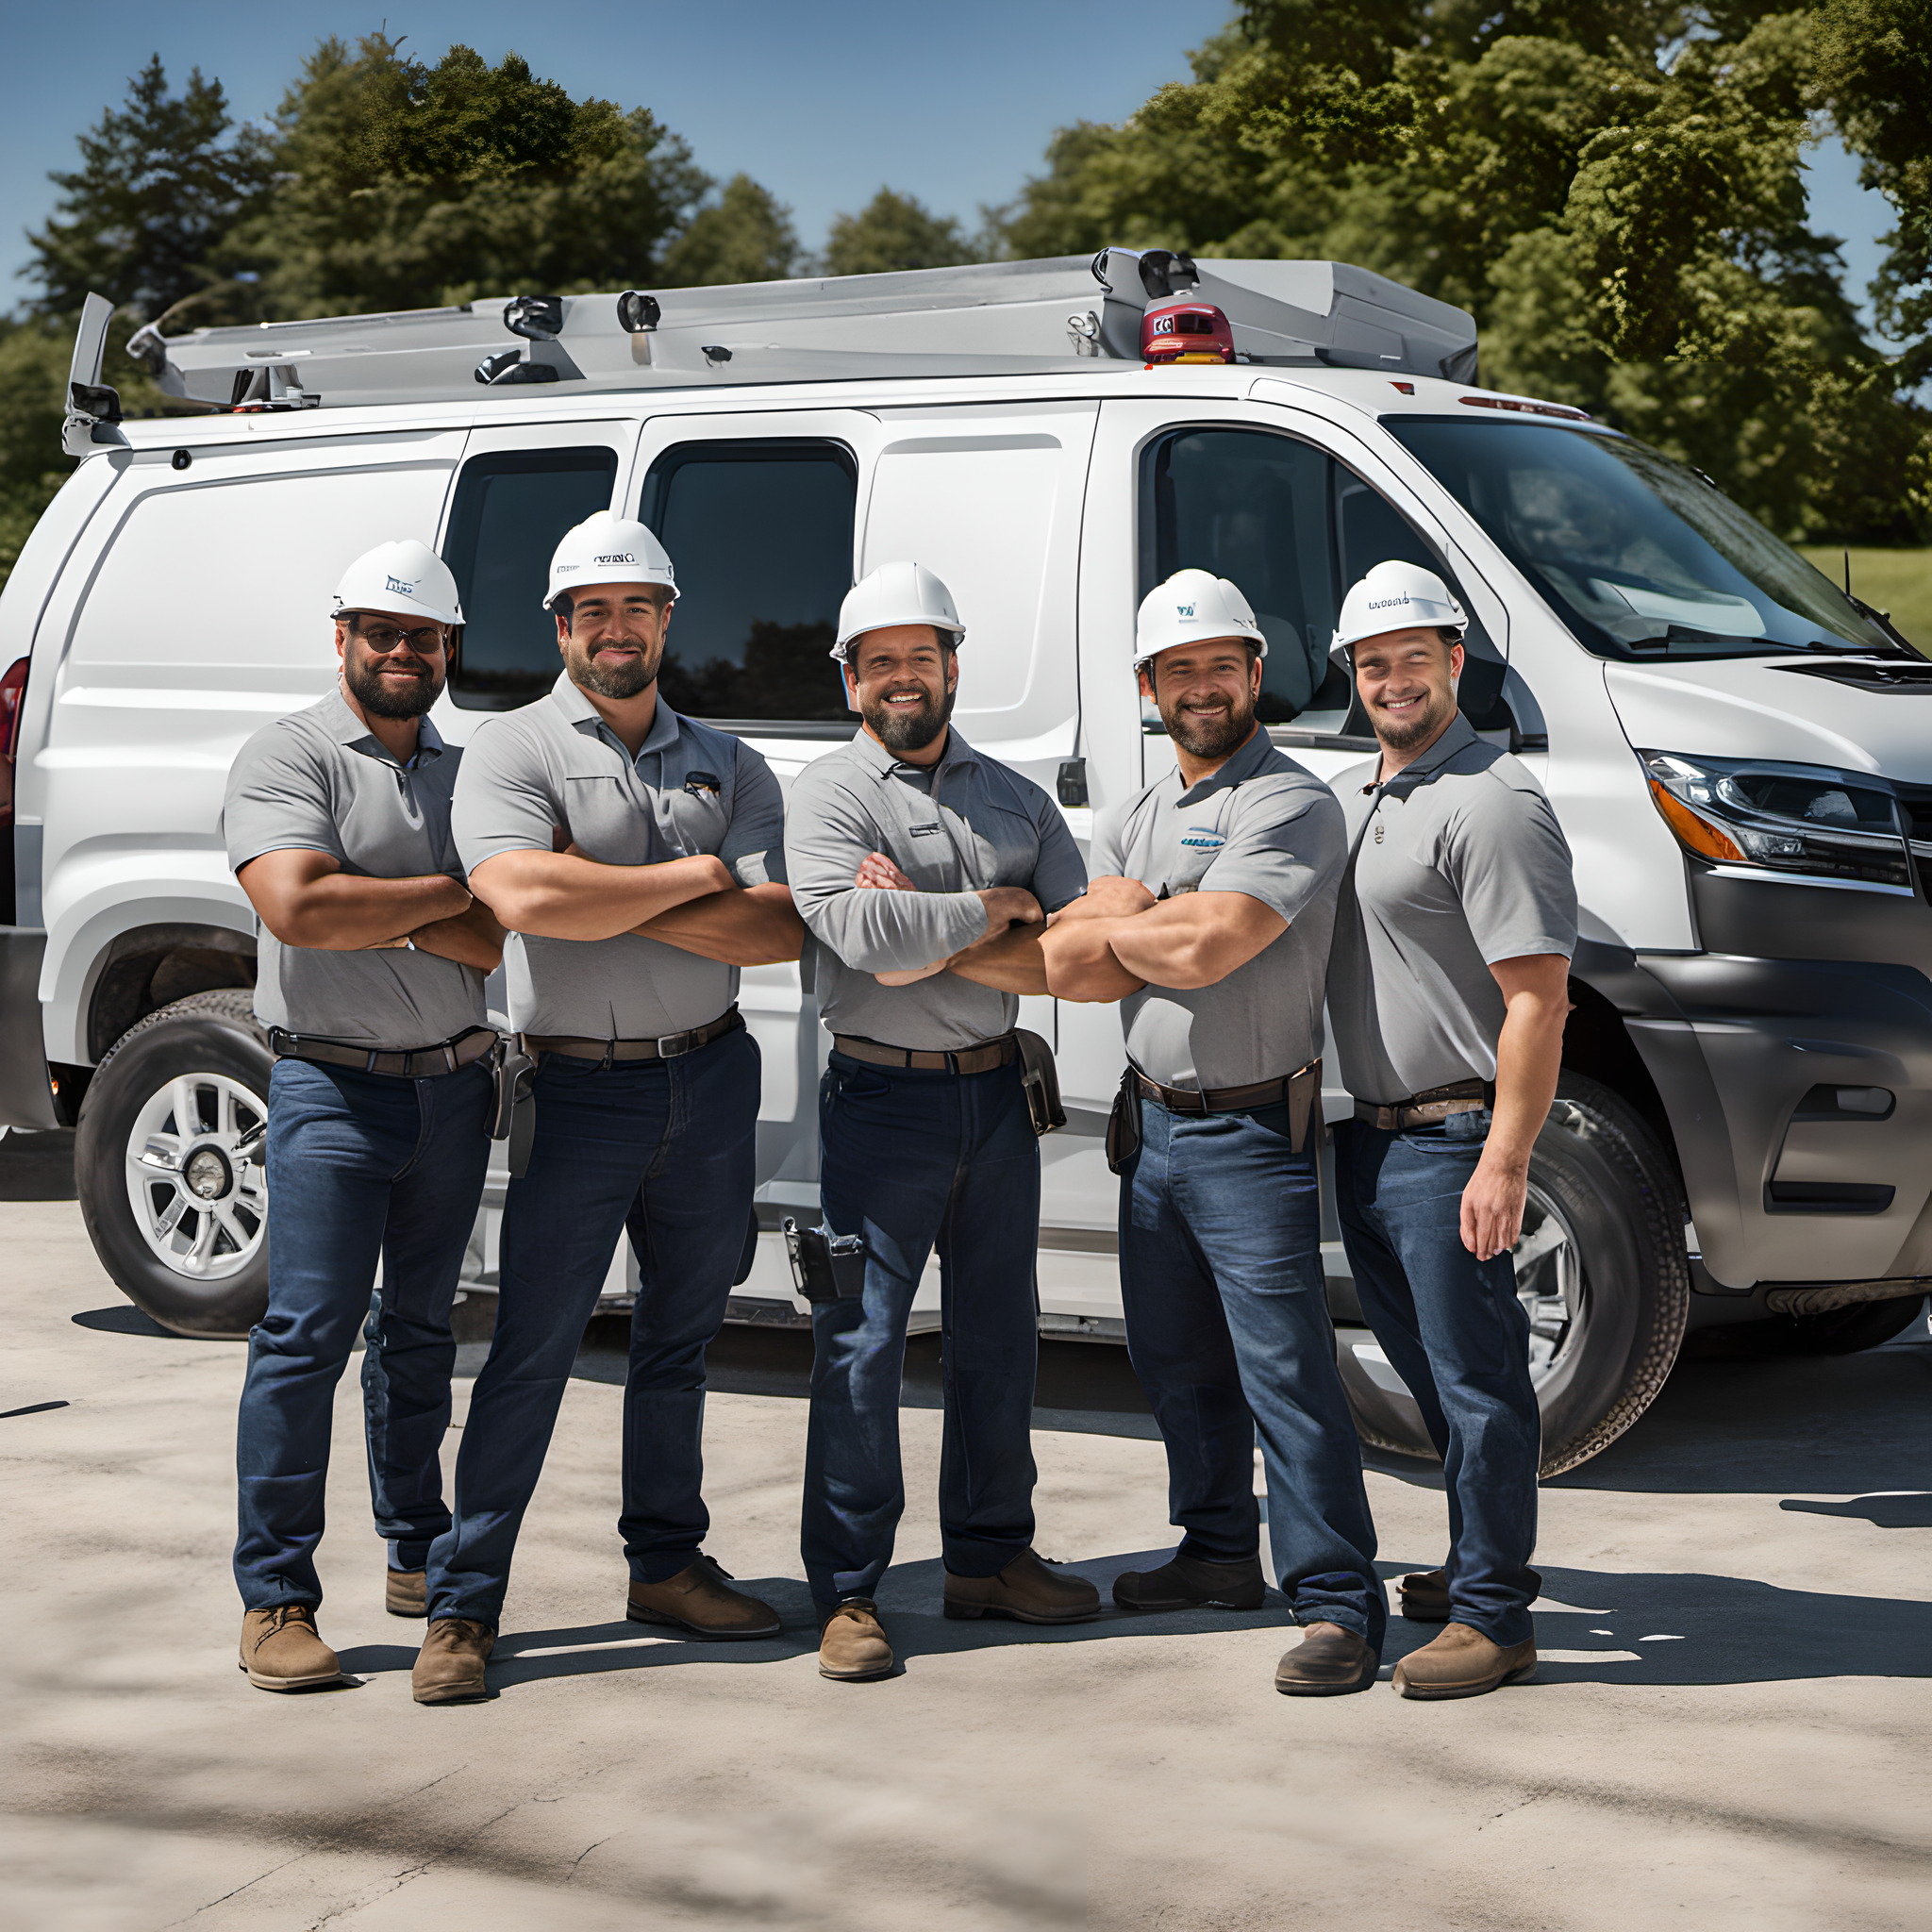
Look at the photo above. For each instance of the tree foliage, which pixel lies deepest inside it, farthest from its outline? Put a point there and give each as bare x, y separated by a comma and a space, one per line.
745, 236
1622, 206
895, 231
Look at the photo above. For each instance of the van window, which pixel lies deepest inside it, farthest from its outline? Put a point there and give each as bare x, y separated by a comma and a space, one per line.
1292, 529
512, 508
761, 536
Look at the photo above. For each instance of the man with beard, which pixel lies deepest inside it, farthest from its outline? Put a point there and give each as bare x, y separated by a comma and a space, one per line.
924, 870
370, 982
1209, 919
1448, 990
636, 857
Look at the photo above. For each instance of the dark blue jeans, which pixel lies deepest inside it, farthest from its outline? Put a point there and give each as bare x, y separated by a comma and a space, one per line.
359, 1165
911, 1161
664, 1147
1229, 1330
1453, 1329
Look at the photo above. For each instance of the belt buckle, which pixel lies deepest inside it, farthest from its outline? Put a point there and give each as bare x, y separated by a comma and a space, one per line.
668, 1050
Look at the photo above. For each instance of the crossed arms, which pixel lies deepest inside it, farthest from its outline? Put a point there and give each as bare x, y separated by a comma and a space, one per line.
305, 898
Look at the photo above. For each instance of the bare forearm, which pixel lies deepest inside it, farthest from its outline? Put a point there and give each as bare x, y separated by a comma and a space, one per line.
559, 895
752, 925
344, 912
1080, 965
1195, 940
1529, 1057
1013, 963
471, 938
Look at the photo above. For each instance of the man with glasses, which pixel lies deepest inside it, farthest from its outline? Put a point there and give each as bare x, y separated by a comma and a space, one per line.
372, 961
636, 857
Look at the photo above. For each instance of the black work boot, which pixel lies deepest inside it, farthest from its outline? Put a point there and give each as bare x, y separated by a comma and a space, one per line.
1188, 1583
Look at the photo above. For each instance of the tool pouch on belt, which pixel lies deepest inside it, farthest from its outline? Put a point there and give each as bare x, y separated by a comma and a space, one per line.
1041, 1079
513, 1114
1124, 1124
827, 1267
1304, 1090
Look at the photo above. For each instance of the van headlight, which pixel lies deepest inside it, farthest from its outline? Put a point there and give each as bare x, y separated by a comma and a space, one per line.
1781, 818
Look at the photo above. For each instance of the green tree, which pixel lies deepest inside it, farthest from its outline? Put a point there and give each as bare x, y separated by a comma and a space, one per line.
403, 185
1622, 207
1874, 70
745, 236
162, 178
895, 231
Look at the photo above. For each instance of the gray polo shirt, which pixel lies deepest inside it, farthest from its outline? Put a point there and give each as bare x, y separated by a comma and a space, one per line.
1262, 825
554, 773
322, 781
955, 829
1457, 861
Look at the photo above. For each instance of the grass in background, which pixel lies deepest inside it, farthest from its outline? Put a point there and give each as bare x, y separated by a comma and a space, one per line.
1899, 581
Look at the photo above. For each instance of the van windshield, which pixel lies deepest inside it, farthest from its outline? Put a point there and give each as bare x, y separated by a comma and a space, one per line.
1642, 558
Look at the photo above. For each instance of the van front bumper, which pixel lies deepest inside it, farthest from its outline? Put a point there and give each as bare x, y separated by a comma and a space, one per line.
26, 1098
1735, 1044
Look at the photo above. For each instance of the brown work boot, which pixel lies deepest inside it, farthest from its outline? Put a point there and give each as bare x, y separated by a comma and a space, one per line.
1462, 1662
1026, 1589
449, 1667
1328, 1662
406, 1592
282, 1651
852, 1643
697, 1599
1188, 1583
1425, 1596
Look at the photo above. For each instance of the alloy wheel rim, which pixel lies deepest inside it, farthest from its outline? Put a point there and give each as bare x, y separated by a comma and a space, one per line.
197, 1175
1549, 1282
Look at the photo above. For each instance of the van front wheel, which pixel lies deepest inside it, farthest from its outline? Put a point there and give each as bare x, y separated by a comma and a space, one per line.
1602, 1273
170, 1164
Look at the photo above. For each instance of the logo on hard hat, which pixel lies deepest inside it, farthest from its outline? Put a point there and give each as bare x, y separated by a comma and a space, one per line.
1184, 611
1389, 603
616, 557
396, 584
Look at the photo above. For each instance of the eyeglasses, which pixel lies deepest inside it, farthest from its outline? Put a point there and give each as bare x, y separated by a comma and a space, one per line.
384, 637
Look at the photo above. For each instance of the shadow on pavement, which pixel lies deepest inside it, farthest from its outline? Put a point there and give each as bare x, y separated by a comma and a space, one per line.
36, 1167
1887, 1509
1594, 1626
128, 1319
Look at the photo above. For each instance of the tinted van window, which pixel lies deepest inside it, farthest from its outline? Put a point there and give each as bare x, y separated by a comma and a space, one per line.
761, 535
510, 511
1292, 529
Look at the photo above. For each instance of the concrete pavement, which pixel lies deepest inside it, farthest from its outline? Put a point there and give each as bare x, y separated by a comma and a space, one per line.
1730, 1727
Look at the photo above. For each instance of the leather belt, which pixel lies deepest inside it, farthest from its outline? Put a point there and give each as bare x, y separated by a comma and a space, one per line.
982, 1058
1427, 1109
1223, 1099
666, 1046
411, 1063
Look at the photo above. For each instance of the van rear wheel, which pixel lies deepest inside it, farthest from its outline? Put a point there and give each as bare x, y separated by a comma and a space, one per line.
170, 1164
1602, 1273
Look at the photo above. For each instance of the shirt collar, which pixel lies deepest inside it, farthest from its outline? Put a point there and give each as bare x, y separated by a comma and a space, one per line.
1244, 764
584, 716
876, 758
350, 732
1458, 737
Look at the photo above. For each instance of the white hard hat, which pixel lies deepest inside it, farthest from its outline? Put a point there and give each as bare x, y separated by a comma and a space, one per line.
608, 549
406, 577
896, 593
1398, 596
1189, 608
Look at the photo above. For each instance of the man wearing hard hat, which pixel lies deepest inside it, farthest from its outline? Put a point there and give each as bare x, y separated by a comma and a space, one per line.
635, 856
1210, 920
924, 870
1448, 988
371, 968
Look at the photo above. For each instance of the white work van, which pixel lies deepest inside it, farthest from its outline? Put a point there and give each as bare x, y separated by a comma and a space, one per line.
1736, 750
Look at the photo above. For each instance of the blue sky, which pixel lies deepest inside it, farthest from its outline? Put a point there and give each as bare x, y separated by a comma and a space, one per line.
821, 102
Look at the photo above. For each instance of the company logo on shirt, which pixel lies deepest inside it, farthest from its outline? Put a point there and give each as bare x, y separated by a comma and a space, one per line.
1205, 837
924, 831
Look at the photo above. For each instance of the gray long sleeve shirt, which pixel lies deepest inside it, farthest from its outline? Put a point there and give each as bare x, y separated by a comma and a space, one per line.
955, 829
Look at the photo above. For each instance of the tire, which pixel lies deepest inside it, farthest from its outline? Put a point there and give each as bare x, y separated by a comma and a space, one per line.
1603, 1269
177, 1211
